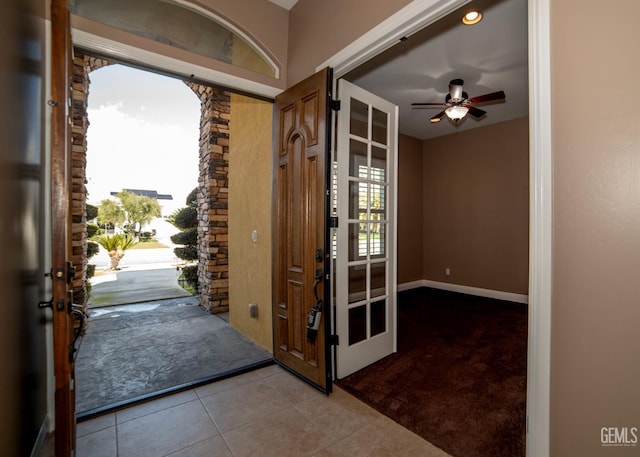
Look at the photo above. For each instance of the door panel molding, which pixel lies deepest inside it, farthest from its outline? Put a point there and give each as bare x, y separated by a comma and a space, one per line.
301, 128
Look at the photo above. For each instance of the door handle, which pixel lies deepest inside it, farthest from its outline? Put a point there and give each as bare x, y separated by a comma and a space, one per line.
315, 313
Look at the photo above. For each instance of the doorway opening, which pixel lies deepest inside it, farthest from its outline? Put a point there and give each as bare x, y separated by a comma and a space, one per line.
153, 344
449, 197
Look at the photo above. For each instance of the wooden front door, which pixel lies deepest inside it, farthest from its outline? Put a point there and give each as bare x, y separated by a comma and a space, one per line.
61, 272
301, 130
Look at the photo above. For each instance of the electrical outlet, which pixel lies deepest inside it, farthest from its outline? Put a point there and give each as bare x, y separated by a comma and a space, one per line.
447, 271
253, 310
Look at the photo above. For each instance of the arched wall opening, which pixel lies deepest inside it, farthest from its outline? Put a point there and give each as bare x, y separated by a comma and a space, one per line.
213, 197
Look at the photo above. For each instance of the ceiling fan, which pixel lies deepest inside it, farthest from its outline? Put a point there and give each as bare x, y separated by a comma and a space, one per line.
457, 103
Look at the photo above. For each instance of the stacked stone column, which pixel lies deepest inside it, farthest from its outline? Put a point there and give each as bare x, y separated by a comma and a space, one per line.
213, 199
82, 66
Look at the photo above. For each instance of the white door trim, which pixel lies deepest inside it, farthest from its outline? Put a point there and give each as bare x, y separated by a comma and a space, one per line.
186, 70
417, 15
540, 230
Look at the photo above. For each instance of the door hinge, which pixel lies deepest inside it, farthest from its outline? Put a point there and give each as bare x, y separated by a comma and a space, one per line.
334, 340
335, 105
333, 222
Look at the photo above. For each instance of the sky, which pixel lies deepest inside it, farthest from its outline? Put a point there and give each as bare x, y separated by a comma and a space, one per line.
143, 134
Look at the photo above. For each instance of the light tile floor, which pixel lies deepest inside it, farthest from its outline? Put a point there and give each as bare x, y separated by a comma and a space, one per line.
267, 412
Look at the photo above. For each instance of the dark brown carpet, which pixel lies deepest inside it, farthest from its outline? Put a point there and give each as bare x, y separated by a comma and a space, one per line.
459, 376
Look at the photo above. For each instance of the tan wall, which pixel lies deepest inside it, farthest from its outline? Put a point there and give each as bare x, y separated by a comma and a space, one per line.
595, 369
320, 29
409, 209
476, 206
250, 209
263, 21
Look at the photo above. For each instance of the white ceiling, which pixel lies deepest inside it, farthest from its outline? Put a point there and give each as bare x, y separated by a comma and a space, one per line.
489, 56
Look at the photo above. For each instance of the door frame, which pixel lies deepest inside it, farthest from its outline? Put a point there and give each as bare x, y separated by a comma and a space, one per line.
408, 20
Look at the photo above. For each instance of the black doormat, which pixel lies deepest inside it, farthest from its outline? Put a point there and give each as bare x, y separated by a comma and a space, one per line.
459, 376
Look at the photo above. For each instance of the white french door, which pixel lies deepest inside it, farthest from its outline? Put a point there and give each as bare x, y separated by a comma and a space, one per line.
365, 273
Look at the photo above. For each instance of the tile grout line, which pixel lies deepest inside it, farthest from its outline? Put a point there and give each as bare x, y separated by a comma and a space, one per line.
214, 423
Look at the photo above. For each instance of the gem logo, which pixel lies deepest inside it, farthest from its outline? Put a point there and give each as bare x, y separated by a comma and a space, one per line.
619, 436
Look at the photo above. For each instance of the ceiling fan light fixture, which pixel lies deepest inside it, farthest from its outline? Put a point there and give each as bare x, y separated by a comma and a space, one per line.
455, 113
472, 17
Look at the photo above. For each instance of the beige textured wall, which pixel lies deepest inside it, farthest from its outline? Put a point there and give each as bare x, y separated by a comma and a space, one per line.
320, 29
410, 205
476, 206
250, 209
595, 370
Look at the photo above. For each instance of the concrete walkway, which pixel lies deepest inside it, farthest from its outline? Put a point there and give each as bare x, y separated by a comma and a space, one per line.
136, 284
147, 335
134, 351
144, 275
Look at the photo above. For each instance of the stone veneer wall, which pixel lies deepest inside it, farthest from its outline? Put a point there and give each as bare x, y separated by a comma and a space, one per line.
213, 187
213, 198
82, 65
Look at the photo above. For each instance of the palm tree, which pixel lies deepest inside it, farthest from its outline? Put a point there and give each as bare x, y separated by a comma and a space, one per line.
115, 246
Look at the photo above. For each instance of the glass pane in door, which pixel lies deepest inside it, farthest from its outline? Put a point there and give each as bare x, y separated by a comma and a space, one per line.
357, 283
379, 126
357, 242
378, 280
357, 324
359, 118
378, 163
357, 158
357, 204
378, 317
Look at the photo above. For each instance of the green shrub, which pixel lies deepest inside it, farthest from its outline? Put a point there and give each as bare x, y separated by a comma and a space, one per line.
92, 230
186, 252
190, 274
92, 249
186, 217
91, 212
192, 198
188, 237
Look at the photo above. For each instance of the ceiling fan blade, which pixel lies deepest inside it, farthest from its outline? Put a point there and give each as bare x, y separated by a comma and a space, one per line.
475, 112
437, 117
493, 96
415, 105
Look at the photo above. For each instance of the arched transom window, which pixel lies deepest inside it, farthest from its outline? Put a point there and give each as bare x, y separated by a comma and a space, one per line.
182, 25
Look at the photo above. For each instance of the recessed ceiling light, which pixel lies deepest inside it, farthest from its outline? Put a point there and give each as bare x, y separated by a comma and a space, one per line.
472, 17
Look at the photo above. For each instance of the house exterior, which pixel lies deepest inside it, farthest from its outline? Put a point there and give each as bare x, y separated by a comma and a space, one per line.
585, 370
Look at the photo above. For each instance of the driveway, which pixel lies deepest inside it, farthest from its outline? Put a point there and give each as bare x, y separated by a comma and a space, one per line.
144, 275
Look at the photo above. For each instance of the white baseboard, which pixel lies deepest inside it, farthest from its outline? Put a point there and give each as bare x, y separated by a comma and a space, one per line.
497, 294
410, 285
